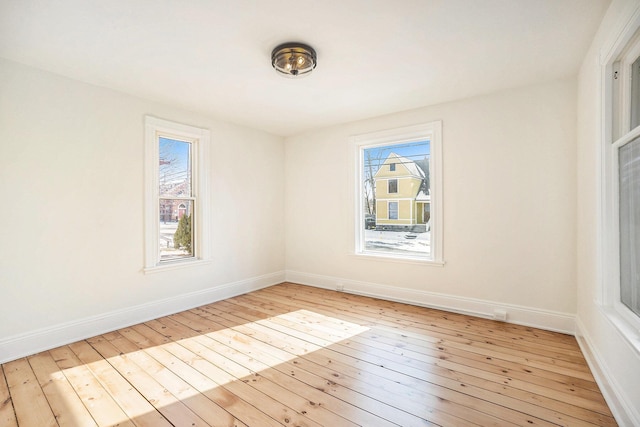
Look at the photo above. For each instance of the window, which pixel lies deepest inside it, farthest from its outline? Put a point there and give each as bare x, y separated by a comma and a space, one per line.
398, 193
621, 184
393, 210
175, 199
393, 186
176, 187
625, 153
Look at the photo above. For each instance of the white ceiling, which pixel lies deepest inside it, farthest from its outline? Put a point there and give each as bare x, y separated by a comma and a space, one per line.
374, 56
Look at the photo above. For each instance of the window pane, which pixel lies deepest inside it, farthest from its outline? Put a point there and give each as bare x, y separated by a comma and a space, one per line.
635, 94
629, 170
175, 168
396, 214
393, 210
393, 185
176, 229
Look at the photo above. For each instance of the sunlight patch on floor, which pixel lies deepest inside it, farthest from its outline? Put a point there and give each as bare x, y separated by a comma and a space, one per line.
188, 367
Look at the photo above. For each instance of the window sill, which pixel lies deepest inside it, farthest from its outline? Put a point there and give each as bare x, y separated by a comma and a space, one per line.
397, 259
627, 330
175, 265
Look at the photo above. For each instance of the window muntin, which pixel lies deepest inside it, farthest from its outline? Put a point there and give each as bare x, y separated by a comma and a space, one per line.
176, 158
402, 220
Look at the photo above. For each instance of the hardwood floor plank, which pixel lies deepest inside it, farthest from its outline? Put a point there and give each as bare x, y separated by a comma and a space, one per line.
584, 415
103, 408
344, 413
459, 329
29, 401
584, 379
7, 413
283, 404
574, 396
293, 355
168, 393
137, 408
282, 362
65, 403
288, 389
462, 329
444, 388
445, 320
236, 386
243, 412
551, 360
287, 364
548, 409
409, 400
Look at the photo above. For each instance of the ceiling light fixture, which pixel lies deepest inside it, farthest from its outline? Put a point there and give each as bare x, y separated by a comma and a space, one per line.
293, 59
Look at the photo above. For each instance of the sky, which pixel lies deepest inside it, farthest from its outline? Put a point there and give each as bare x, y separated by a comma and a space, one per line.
174, 159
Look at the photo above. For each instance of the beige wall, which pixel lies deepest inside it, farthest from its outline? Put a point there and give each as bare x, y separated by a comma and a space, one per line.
509, 201
71, 176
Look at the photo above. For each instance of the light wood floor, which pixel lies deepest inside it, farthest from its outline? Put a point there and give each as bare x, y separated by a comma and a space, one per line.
299, 356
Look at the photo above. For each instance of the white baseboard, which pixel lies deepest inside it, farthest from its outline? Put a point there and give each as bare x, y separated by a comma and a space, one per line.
625, 414
29, 343
527, 316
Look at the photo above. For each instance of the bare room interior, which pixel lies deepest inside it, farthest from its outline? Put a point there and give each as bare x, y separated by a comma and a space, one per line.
339, 213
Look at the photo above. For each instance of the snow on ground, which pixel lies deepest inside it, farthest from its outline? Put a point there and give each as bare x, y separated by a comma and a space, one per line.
167, 251
402, 242
167, 230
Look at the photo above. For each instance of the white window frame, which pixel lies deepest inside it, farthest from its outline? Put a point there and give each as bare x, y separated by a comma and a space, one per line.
431, 131
616, 132
199, 139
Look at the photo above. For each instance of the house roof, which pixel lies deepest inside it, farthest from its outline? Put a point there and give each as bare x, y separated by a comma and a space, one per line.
421, 197
375, 57
411, 166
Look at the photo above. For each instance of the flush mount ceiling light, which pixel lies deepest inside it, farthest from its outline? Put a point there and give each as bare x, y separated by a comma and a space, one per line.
293, 59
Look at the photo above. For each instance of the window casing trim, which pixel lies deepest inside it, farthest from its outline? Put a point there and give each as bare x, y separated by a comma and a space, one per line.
615, 132
415, 133
200, 140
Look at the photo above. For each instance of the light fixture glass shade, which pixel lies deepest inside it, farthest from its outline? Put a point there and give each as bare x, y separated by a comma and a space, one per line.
293, 59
